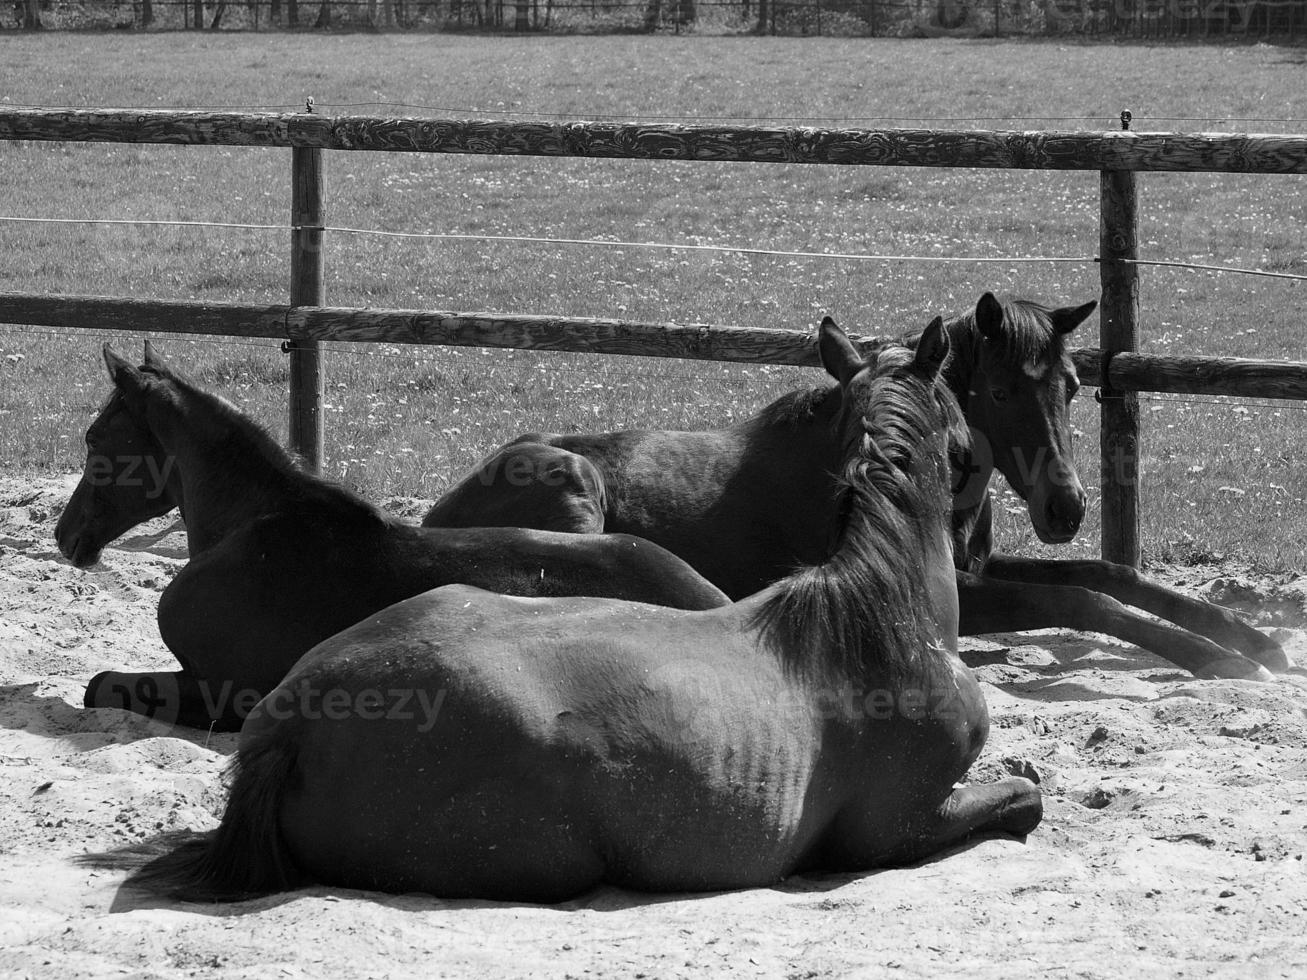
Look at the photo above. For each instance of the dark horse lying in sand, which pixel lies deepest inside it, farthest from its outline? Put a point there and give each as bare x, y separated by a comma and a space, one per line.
744, 504
821, 724
280, 559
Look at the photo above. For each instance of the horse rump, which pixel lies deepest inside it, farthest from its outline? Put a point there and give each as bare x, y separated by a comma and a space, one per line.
245, 857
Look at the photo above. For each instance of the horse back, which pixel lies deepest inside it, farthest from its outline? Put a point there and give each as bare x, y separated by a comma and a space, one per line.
632, 481
527, 483
530, 562
742, 511
743, 505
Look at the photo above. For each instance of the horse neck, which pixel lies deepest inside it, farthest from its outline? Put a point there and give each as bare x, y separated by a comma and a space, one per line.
964, 354
229, 471
788, 462
973, 536
819, 622
971, 467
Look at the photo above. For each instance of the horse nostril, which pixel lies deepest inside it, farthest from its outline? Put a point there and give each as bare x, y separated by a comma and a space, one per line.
1065, 516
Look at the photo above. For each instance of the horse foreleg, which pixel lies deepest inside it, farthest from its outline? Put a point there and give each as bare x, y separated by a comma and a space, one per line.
987, 605
173, 697
1126, 585
1009, 806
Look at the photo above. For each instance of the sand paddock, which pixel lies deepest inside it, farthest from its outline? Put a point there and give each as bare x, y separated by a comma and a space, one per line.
1173, 841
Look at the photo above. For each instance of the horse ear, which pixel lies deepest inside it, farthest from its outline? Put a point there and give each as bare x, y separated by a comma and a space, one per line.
152, 359
1068, 318
116, 365
932, 348
989, 317
838, 355
125, 375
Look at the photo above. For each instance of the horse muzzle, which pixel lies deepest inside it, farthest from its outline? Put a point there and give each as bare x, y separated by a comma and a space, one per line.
1058, 516
79, 548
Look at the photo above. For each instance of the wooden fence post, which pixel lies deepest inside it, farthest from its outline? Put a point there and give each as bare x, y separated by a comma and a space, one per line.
1119, 331
306, 289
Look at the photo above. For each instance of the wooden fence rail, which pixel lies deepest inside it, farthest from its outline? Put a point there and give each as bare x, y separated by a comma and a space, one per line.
306, 322
1172, 152
1127, 371
750, 345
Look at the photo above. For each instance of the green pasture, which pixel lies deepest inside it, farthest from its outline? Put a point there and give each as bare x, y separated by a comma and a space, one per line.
1220, 478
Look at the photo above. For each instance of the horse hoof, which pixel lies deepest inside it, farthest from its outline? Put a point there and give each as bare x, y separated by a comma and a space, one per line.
1270, 655
1025, 810
1236, 668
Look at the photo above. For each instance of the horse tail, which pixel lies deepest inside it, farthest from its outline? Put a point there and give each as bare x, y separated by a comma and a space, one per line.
245, 857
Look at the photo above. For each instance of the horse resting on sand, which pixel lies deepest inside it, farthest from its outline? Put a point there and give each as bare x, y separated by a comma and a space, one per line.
280, 559
820, 724
744, 504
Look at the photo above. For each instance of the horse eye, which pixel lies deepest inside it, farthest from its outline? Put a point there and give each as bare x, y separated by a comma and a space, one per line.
1071, 388
998, 394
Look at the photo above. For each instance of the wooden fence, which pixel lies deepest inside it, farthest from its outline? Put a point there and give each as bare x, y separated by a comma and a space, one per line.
304, 323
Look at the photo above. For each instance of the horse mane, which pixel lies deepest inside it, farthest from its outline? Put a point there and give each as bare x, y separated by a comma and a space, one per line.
824, 620
243, 439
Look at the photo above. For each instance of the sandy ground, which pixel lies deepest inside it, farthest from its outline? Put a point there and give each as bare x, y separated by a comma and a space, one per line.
1173, 841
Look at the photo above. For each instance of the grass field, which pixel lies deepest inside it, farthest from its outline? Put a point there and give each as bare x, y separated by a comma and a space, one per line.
1220, 479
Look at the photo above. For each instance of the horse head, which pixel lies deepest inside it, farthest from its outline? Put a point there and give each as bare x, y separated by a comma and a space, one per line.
128, 478
1014, 379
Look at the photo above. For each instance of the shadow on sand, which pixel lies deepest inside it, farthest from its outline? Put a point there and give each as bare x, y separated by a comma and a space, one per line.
606, 898
86, 729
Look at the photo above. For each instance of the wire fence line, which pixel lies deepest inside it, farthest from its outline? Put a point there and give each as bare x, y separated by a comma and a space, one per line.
1198, 266
666, 246
1113, 18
